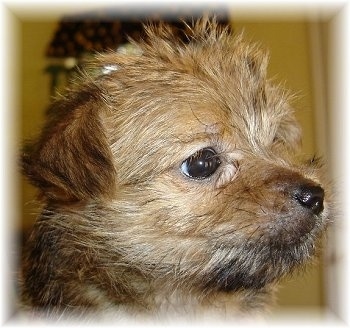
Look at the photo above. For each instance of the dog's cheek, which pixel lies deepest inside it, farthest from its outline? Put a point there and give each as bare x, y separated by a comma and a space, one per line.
166, 230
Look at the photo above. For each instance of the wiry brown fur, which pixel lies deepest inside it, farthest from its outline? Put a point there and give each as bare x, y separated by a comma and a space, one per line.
123, 229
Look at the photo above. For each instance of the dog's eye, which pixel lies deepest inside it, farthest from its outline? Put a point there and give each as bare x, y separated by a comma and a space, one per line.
201, 164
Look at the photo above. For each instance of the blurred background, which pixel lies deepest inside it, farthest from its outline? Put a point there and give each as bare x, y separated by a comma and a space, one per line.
48, 46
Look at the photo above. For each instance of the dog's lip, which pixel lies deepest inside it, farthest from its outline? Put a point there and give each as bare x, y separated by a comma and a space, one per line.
293, 229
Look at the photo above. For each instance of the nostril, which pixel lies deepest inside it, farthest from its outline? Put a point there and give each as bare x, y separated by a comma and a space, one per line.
310, 197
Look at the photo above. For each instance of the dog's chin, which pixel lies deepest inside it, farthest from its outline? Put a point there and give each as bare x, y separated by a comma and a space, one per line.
273, 264
263, 261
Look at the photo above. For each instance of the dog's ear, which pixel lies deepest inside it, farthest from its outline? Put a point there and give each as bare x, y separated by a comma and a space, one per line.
72, 161
289, 132
256, 64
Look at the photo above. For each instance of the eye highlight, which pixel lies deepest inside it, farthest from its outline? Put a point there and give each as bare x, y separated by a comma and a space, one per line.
201, 164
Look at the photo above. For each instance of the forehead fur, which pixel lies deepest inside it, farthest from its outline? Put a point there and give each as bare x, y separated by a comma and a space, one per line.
212, 55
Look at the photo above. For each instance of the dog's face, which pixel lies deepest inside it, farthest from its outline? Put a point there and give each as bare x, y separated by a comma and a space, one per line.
186, 150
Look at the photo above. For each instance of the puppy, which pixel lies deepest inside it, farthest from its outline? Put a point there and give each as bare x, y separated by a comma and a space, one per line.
169, 186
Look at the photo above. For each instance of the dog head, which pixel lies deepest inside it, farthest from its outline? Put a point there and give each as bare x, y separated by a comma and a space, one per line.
186, 150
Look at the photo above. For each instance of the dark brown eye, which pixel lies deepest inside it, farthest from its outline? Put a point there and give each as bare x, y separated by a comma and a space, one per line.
201, 164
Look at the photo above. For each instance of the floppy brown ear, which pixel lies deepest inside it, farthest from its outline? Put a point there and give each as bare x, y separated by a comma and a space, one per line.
72, 161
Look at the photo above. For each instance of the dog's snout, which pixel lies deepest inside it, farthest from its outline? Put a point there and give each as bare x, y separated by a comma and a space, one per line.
310, 197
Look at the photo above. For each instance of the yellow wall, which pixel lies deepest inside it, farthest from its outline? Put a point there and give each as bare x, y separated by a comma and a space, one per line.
35, 95
290, 62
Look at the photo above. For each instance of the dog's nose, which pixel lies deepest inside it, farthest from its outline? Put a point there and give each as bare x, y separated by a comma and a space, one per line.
310, 197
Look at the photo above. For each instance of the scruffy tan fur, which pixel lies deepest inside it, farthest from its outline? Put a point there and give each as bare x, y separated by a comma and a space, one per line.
125, 230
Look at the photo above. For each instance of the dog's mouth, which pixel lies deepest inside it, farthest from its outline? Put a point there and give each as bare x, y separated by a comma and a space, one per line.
292, 228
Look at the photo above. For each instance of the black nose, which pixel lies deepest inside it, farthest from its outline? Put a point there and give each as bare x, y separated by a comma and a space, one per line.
310, 197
